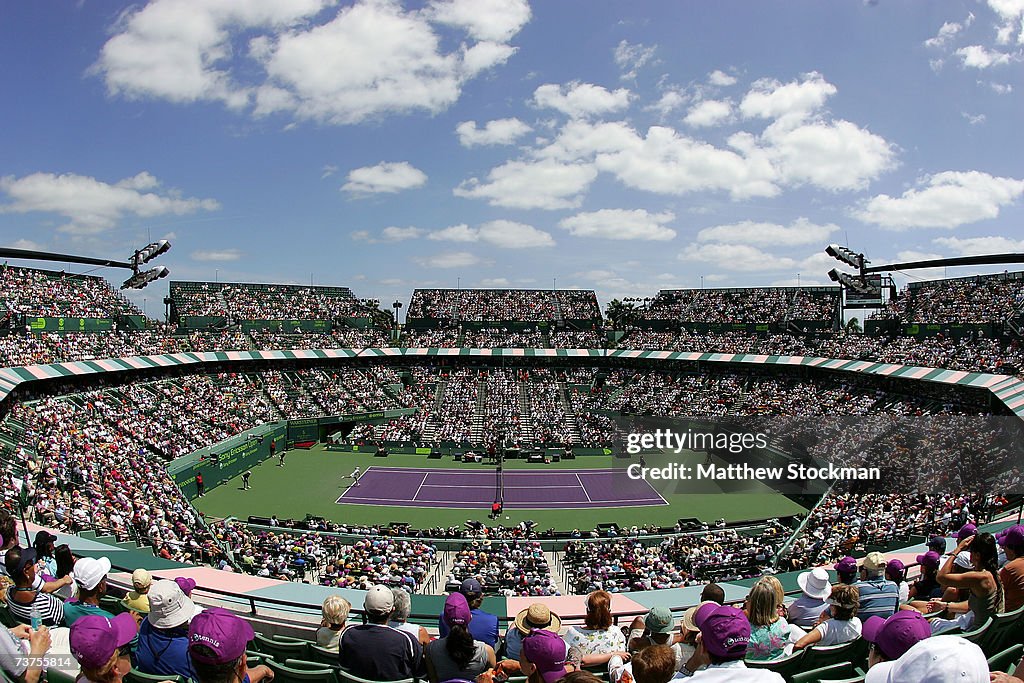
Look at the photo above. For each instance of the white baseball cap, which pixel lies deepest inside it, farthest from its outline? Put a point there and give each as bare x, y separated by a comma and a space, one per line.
379, 599
169, 606
88, 572
940, 659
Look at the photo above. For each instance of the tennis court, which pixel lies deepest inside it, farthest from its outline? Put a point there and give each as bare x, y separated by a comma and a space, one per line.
454, 488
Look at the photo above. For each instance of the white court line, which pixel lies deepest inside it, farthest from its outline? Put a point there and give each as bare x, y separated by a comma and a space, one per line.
488, 486
416, 495
585, 492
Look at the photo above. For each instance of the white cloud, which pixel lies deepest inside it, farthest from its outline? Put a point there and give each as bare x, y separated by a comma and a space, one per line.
709, 113
500, 233
579, 100
214, 255
456, 259
621, 224
93, 206
800, 282
1001, 88
327, 171
800, 232
496, 132
669, 101
944, 200
485, 20
791, 102
973, 119
27, 244
836, 155
384, 177
545, 184
740, 257
496, 282
1012, 14
946, 33
631, 58
367, 59
980, 57
977, 246
179, 50
721, 79
395, 234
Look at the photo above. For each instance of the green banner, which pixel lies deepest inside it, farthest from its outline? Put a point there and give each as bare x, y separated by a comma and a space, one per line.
40, 325
227, 459
288, 326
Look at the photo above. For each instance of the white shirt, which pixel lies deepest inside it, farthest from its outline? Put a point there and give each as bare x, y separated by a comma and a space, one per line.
834, 631
736, 672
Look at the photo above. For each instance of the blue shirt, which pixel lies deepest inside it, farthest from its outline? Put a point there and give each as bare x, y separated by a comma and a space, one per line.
878, 597
483, 627
163, 652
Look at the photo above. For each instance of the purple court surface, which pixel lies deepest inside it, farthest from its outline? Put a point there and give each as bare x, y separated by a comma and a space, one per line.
448, 488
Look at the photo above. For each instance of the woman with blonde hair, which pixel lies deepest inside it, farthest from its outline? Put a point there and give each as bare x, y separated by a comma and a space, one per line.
335, 610
598, 640
768, 630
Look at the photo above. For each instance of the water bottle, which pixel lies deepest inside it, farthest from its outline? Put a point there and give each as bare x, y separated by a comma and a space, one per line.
37, 618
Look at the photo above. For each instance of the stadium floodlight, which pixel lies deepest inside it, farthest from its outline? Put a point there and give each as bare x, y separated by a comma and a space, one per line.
847, 256
850, 282
150, 252
140, 280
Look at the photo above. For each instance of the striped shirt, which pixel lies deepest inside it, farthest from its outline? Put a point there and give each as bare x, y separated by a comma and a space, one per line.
878, 598
51, 608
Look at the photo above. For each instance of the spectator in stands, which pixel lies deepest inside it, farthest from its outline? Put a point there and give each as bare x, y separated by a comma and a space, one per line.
878, 596
843, 624
13, 652
101, 647
44, 551
137, 599
598, 639
655, 664
897, 573
768, 630
26, 595
335, 610
846, 570
484, 626
1012, 573
712, 592
985, 597
724, 636
91, 576
927, 586
400, 617
655, 628
815, 590
186, 585
940, 658
217, 640
890, 638
535, 617
544, 657
376, 651
163, 635
458, 654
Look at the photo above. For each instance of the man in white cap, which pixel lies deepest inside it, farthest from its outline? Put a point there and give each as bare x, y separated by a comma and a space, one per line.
940, 659
163, 635
376, 651
806, 609
91, 576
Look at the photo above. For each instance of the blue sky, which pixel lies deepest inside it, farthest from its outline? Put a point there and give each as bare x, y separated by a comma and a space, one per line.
619, 146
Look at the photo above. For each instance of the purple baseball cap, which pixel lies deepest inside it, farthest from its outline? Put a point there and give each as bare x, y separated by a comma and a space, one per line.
847, 565
1013, 536
547, 651
898, 633
186, 585
95, 639
225, 633
965, 531
895, 567
456, 610
929, 559
937, 543
725, 631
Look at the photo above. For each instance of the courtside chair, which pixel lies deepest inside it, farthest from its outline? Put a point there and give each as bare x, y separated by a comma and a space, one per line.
839, 670
346, 677
1006, 629
280, 650
855, 652
977, 635
1004, 661
134, 676
287, 674
855, 679
58, 676
323, 655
